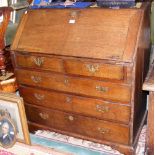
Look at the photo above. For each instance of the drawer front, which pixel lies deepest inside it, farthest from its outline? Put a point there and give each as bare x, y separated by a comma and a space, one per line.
100, 70
85, 126
39, 115
108, 91
50, 118
80, 105
39, 62
104, 130
71, 66
49, 99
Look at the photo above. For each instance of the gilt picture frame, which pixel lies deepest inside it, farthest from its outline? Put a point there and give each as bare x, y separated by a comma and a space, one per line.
12, 107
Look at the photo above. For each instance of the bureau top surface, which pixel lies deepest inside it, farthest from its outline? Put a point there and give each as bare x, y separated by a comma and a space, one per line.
91, 33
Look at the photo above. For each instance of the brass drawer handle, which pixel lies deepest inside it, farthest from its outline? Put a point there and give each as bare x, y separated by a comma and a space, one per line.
92, 68
36, 79
101, 88
68, 99
43, 116
39, 96
101, 108
71, 118
38, 61
103, 130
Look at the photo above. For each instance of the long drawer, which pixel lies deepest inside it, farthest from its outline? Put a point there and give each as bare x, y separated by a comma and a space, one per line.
84, 86
76, 104
82, 67
85, 126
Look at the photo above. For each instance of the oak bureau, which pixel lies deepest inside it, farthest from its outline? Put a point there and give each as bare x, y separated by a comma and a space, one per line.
80, 72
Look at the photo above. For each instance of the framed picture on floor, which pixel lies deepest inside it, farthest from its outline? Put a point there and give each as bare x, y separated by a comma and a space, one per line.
12, 107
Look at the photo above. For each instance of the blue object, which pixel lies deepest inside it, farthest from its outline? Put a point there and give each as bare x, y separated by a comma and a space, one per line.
47, 4
39, 1
65, 147
116, 3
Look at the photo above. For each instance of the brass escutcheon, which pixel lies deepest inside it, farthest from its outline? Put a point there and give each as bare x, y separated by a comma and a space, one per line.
74, 13
68, 99
66, 81
43, 116
71, 118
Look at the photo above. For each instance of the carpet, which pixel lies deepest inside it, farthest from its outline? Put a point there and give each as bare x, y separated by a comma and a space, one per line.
78, 146
51, 143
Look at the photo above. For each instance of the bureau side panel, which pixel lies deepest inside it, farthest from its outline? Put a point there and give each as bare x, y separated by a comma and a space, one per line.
141, 67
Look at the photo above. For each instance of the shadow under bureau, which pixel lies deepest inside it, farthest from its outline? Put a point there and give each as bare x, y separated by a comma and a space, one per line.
80, 72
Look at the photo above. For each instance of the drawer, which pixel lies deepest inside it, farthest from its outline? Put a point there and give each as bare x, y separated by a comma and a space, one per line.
49, 99
39, 62
103, 130
92, 69
49, 118
39, 115
80, 105
89, 127
71, 66
84, 86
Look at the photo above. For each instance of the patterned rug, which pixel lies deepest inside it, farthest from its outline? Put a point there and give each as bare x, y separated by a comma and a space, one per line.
51, 143
22, 149
78, 146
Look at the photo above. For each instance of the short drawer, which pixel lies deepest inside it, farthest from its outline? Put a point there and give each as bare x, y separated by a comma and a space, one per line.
81, 105
89, 127
84, 86
94, 69
39, 62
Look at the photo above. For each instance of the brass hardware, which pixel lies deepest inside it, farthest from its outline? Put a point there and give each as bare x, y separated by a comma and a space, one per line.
102, 108
92, 68
43, 116
66, 81
71, 118
36, 79
101, 88
74, 13
103, 131
38, 61
68, 99
39, 96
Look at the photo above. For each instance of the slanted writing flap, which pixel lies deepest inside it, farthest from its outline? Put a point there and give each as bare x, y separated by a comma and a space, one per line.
92, 33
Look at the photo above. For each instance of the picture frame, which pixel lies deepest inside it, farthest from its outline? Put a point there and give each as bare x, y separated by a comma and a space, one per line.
7, 132
12, 106
3, 3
